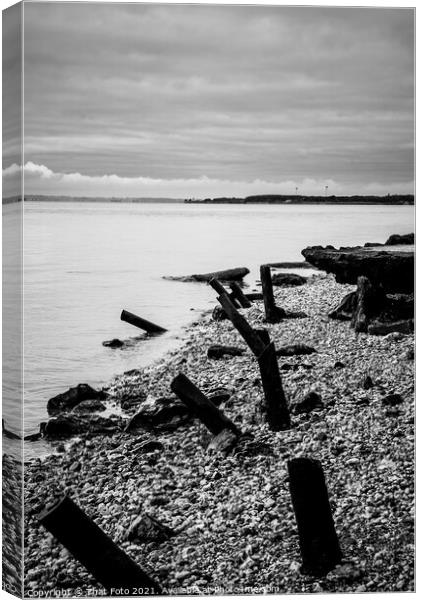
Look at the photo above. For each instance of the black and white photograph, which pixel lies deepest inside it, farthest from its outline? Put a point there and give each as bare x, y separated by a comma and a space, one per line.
208, 220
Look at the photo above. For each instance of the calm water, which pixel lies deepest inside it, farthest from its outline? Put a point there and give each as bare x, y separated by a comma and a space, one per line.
85, 262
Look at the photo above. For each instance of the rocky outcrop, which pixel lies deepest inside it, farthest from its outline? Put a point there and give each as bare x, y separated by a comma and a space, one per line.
398, 240
70, 424
393, 270
74, 396
288, 279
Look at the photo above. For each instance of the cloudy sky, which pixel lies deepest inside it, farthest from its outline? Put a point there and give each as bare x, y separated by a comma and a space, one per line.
182, 101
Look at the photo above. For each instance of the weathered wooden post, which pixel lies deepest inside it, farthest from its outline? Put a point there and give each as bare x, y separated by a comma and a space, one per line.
220, 290
273, 313
319, 545
110, 566
276, 407
264, 336
201, 406
237, 293
133, 319
240, 323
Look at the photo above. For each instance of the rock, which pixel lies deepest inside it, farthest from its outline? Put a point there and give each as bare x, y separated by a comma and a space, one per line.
410, 355
368, 383
289, 314
114, 343
377, 328
347, 572
394, 270
295, 349
345, 309
218, 351
163, 414
399, 240
73, 397
288, 279
224, 442
392, 400
89, 406
69, 424
218, 314
218, 395
395, 336
339, 365
147, 529
310, 401
372, 244
227, 275
129, 404
148, 446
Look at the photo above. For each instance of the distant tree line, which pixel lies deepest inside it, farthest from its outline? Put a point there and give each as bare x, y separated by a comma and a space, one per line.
288, 199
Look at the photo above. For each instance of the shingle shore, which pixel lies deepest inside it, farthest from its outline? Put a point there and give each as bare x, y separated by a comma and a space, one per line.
238, 533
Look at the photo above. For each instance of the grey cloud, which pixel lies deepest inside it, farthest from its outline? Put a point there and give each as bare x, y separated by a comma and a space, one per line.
228, 92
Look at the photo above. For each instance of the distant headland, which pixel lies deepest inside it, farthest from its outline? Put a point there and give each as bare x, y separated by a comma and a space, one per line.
288, 199
391, 199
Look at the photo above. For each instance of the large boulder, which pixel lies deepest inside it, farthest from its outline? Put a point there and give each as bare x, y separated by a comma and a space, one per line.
74, 396
392, 269
70, 424
161, 414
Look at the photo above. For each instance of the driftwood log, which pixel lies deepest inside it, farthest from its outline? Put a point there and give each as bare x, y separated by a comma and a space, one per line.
319, 545
147, 326
108, 564
227, 275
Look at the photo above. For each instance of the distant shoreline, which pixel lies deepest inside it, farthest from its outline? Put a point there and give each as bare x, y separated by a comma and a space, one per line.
391, 200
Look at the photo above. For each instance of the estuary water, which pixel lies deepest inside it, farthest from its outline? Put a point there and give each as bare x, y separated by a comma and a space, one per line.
85, 262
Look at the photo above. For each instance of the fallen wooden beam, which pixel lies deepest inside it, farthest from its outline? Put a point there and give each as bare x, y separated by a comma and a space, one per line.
274, 314
95, 550
147, 326
319, 545
201, 406
240, 323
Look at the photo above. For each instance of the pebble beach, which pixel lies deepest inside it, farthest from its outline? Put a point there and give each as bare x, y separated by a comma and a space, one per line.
232, 517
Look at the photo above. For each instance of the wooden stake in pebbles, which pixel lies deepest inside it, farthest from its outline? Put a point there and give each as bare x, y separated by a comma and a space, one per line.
276, 407
220, 290
110, 566
273, 313
201, 406
319, 545
240, 323
147, 326
238, 294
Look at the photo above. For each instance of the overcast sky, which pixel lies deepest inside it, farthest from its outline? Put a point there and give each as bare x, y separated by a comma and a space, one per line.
216, 100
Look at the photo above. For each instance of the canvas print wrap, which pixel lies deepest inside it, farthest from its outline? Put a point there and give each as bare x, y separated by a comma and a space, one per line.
208, 299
